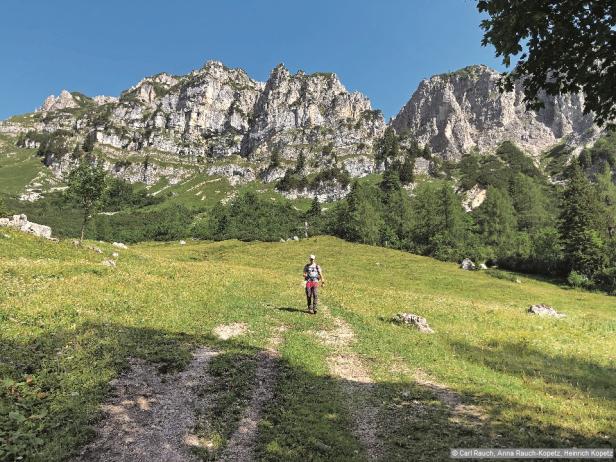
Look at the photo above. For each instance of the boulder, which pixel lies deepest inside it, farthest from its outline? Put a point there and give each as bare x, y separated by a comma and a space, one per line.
21, 223
282, 240
120, 245
409, 319
182, 242
483, 266
109, 262
467, 264
295, 238
544, 310
115, 254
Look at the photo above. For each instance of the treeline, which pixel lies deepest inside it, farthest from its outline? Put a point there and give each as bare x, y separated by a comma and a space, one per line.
524, 224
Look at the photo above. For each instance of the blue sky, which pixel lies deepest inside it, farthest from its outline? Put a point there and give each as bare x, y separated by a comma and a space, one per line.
382, 48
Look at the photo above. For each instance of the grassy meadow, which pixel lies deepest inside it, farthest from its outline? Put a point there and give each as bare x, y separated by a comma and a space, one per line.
68, 325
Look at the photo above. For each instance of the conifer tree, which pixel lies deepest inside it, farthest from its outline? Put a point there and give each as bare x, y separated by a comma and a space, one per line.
606, 191
364, 221
497, 221
530, 203
406, 170
579, 220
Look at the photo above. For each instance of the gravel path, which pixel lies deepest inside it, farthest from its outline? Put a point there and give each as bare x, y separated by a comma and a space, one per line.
150, 416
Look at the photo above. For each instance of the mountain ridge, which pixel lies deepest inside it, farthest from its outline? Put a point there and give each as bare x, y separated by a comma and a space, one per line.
223, 122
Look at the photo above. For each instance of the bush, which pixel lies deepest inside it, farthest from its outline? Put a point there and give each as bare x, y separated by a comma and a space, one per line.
250, 217
165, 224
578, 280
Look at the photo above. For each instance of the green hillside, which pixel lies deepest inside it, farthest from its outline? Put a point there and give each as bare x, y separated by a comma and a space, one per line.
345, 385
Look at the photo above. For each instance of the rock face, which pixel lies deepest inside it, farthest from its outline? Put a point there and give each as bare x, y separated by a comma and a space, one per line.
413, 320
54, 103
473, 198
464, 110
21, 223
215, 113
219, 121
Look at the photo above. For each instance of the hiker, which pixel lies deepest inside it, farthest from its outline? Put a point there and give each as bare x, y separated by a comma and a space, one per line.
312, 276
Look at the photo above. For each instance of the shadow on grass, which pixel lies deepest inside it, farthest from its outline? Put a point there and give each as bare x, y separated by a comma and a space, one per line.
53, 386
292, 309
521, 360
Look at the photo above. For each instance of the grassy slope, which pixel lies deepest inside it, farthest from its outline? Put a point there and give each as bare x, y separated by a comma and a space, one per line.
18, 167
67, 325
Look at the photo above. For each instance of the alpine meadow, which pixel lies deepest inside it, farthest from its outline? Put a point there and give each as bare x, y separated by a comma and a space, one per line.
459, 256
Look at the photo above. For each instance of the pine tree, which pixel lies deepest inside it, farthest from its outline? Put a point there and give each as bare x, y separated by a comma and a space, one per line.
396, 210
407, 174
300, 164
579, 220
388, 147
275, 158
315, 208
364, 221
497, 221
530, 203
439, 225
606, 191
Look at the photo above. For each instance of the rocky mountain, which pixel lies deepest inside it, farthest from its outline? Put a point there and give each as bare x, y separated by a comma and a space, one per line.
462, 111
221, 122
215, 113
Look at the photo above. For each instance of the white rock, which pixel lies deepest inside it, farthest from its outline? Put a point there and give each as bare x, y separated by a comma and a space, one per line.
544, 310
120, 245
458, 112
21, 223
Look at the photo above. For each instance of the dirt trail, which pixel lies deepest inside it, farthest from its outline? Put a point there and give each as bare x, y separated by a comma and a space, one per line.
357, 383
151, 416
241, 445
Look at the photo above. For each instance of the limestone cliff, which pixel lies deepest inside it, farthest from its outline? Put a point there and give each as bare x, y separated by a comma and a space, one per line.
462, 111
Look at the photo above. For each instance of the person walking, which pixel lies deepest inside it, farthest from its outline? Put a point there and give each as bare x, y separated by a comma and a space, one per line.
313, 275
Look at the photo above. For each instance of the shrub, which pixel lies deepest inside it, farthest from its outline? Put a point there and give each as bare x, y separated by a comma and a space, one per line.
578, 280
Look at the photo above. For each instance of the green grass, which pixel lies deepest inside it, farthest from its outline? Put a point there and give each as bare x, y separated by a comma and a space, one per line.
18, 166
68, 325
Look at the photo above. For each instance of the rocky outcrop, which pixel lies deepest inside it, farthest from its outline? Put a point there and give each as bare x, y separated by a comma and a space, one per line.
21, 223
463, 111
473, 198
222, 122
54, 103
310, 113
216, 112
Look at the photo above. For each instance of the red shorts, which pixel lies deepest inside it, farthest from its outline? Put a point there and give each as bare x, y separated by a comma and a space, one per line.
310, 284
